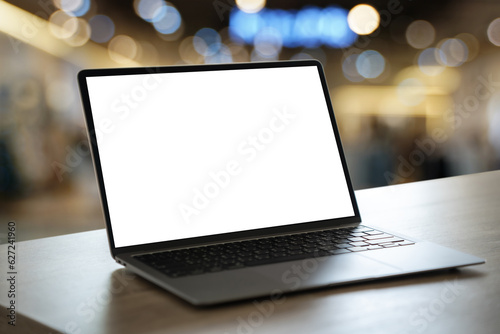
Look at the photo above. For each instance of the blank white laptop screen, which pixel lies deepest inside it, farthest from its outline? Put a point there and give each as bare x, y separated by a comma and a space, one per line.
206, 152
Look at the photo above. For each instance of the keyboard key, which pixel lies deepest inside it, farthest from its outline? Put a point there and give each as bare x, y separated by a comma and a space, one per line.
359, 244
340, 251
406, 243
378, 236
357, 249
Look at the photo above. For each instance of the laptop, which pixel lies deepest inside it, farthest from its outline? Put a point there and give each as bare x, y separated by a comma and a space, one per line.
228, 182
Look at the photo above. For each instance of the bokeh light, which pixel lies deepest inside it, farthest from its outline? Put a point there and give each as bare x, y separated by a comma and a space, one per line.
429, 61
250, 6
222, 56
370, 64
349, 68
207, 41
309, 27
150, 10
268, 42
188, 53
122, 49
420, 34
169, 22
81, 35
62, 25
472, 44
494, 32
73, 7
454, 52
102, 28
334, 28
363, 19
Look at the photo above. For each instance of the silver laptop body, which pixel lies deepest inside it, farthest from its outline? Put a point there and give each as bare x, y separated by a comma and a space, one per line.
199, 155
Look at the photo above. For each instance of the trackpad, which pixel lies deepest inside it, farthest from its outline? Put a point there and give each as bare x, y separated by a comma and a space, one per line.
324, 271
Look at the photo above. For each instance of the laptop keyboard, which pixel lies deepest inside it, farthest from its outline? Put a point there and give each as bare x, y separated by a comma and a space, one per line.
240, 254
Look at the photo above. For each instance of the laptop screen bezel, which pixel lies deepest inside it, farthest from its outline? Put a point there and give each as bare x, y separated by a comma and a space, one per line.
294, 228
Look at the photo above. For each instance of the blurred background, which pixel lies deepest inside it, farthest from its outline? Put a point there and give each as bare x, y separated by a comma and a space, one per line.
415, 85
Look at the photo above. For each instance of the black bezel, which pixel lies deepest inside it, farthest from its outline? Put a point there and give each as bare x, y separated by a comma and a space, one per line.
323, 224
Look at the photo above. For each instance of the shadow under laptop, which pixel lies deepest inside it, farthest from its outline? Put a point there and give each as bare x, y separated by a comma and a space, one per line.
153, 309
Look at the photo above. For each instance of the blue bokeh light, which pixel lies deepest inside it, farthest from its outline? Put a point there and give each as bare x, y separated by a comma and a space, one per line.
151, 10
309, 27
170, 22
370, 64
75, 8
102, 28
207, 42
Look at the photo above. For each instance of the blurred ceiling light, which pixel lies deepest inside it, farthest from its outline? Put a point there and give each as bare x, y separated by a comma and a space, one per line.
334, 29
454, 52
207, 41
122, 49
472, 44
27, 28
102, 28
494, 32
250, 6
385, 101
370, 64
363, 19
73, 30
244, 26
74, 7
309, 27
150, 10
429, 61
411, 92
420, 34
170, 21
445, 82
349, 68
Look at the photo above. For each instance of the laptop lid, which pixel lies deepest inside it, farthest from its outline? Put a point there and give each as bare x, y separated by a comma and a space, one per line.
203, 153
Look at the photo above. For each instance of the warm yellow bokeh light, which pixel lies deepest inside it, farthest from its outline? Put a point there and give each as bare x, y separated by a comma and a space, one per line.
363, 19
122, 49
62, 25
251, 6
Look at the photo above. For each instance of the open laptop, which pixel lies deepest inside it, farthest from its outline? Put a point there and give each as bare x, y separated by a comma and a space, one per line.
228, 182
